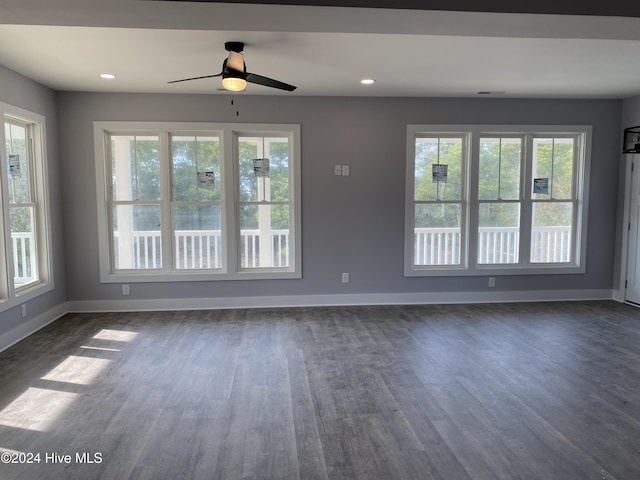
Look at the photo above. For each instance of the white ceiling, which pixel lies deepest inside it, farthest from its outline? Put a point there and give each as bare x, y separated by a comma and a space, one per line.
66, 44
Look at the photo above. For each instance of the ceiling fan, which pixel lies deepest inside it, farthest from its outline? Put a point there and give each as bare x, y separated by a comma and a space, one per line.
234, 72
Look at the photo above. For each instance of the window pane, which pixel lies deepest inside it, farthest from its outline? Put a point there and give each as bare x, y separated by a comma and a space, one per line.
196, 168
563, 168
17, 163
551, 233
135, 167
23, 241
264, 169
198, 241
437, 234
264, 236
498, 233
136, 237
542, 162
499, 176
438, 151
553, 160
279, 169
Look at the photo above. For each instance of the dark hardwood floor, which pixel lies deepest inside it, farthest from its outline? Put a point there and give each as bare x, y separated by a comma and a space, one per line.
502, 391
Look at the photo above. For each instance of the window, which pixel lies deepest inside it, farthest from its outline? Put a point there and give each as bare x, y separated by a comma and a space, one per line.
263, 165
24, 216
512, 202
499, 203
198, 201
135, 202
438, 200
554, 199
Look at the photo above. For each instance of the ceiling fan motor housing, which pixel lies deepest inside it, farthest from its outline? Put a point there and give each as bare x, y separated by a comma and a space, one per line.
237, 47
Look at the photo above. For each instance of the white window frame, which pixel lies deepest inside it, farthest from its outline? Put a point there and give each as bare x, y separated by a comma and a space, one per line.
230, 194
470, 228
10, 294
170, 238
443, 131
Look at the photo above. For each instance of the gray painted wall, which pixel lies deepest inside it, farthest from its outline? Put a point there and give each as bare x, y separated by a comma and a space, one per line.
350, 224
22, 92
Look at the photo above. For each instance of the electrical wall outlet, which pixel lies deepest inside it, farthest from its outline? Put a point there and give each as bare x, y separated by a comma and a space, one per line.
125, 289
345, 170
345, 277
24, 310
492, 282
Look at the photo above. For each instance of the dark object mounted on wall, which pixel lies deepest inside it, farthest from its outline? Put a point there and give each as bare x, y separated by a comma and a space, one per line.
631, 142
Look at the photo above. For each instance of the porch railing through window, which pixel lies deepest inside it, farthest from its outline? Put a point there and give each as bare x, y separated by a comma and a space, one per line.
441, 246
24, 257
202, 249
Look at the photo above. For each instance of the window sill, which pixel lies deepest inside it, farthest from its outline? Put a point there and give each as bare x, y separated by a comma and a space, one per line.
138, 277
25, 294
494, 270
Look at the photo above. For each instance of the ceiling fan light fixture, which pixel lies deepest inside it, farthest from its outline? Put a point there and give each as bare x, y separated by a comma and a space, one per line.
234, 73
234, 84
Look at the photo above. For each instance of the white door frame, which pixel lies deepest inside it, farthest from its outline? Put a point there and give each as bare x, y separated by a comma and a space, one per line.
621, 293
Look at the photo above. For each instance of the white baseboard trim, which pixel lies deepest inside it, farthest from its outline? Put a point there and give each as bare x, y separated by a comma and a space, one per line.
133, 305
31, 326
618, 295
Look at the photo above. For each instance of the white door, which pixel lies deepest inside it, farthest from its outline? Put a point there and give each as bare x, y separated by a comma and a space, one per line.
633, 255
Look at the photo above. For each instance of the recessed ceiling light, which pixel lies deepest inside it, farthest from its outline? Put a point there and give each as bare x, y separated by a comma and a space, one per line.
367, 81
107, 76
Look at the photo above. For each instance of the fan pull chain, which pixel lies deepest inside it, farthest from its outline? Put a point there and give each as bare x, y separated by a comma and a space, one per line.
237, 110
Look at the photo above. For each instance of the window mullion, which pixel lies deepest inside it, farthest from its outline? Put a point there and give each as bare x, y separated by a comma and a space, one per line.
464, 201
578, 154
527, 202
6, 280
473, 205
553, 161
36, 221
575, 220
31, 166
294, 255
500, 169
110, 201
166, 197
230, 210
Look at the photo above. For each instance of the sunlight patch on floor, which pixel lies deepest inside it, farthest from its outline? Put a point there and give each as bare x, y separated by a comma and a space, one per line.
115, 335
9, 451
78, 370
36, 409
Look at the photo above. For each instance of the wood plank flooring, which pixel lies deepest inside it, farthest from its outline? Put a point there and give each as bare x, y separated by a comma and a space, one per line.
455, 392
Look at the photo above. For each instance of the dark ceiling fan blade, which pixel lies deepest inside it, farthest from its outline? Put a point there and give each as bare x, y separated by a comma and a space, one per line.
269, 82
195, 78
